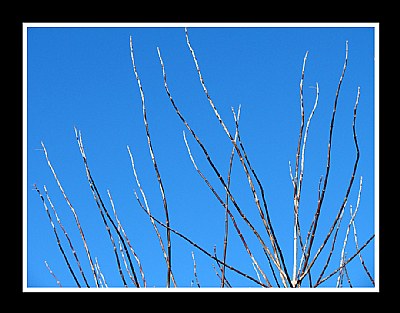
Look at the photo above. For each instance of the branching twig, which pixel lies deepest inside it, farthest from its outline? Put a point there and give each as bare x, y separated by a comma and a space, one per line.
102, 280
78, 224
265, 218
352, 217
120, 228
167, 221
203, 250
148, 210
100, 204
236, 117
346, 262
225, 205
325, 183
266, 250
356, 243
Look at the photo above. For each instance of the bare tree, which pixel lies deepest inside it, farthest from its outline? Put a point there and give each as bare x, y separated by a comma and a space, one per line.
278, 273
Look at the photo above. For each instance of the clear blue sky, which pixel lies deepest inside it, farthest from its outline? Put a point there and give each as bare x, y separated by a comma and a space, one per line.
83, 77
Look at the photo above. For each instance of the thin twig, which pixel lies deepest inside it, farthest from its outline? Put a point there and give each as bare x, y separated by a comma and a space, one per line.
352, 217
349, 187
356, 243
78, 224
195, 271
295, 180
346, 262
225, 205
66, 236
265, 248
203, 250
52, 274
332, 248
227, 198
265, 219
148, 210
102, 280
167, 221
57, 237
328, 163
100, 204
121, 229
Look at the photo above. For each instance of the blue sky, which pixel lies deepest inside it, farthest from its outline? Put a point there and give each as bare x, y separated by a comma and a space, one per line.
82, 77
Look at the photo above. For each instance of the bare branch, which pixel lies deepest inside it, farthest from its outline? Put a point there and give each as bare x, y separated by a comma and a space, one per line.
148, 210
102, 208
266, 250
78, 224
52, 274
66, 236
346, 262
102, 280
356, 240
266, 219
167, 221
328, 163
204, 251
225, 205
57, 238
120, 228
195, 271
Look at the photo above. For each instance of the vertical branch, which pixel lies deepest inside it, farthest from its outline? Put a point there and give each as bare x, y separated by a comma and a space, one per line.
298, 184
356, 240
328, 163
147, 209
295, 180
352, 217
343, 254
78, 224
102, 280
195, 271
332, 248
167, 221
227, 198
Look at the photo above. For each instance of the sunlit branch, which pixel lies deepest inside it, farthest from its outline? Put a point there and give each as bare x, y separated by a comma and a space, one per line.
52, 274
100, 204
120, 228
346, 262
227, 211
78, 224
66, 236
265, 219
148, 210
203, 250
214, 167
356, 240
57, 238
167, 221
328, 163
